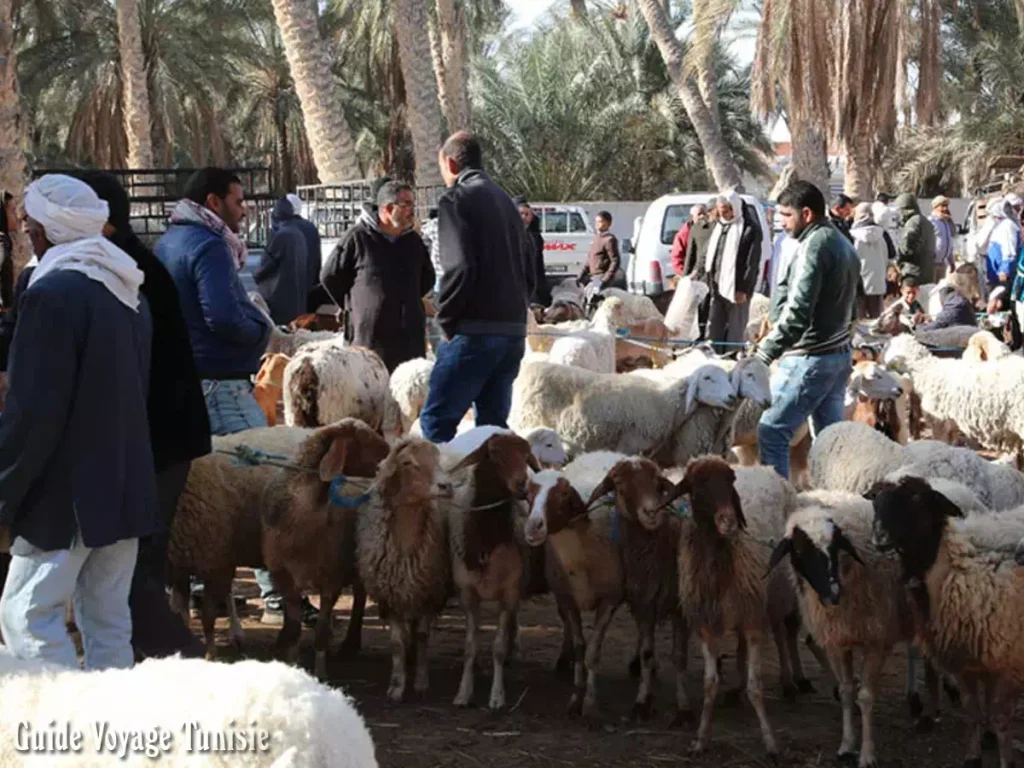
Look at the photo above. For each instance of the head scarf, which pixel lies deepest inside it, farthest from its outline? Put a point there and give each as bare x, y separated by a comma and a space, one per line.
73, 216
296, 202
190, 212
864, 212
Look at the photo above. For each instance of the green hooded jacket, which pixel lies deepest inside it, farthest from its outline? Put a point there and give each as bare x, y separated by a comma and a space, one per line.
916, 249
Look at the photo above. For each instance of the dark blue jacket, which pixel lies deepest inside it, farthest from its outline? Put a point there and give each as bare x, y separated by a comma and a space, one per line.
314, 257
283, 276
228, 333
74, 437
956, 310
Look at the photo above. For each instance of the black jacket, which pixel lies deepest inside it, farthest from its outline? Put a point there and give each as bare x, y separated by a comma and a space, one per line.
283, 277
841, 224
487, 259
748, 255
697, 249
179, 426
75, 451
956, 310
379, 281
541, 291
10, 319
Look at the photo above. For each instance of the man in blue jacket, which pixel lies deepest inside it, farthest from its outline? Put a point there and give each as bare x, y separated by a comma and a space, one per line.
77, 481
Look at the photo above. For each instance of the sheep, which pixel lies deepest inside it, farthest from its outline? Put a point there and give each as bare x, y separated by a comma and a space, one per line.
545, 444
316, 321
541, 337
981, 399
592, 411
636, 308
983, 347
721, 581
954, 336
325, 382
850, 597
850, 456
290, 342
249, 713
409, 384
402, 551
593, 349
760, 308
487, 565
967, 614
309, 540
583, 567
268, 386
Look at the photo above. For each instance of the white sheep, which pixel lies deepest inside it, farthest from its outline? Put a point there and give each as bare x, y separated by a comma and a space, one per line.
409, 384
592, 349
983, 347
326, 382
636, 308
258, 713
545, 443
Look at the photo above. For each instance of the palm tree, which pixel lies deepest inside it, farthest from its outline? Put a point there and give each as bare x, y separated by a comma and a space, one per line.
411, 19
310, 64
13, 170
702, 115
450, 53
136, 92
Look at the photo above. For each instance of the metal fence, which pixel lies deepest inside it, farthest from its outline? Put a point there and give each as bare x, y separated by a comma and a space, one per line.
336, 207
153, 193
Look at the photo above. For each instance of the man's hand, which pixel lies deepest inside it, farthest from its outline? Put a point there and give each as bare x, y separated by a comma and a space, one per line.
741, 298
1003, 277
919, 318
673, 282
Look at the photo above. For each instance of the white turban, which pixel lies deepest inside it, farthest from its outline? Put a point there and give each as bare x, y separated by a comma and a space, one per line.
73, 216
296, 202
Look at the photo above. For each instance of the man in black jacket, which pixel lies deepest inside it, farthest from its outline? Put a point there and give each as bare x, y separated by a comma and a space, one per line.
732, 263
541, 291
487, 283
283, 275
840, 214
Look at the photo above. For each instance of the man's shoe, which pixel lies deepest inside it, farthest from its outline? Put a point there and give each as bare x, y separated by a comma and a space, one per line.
273, 616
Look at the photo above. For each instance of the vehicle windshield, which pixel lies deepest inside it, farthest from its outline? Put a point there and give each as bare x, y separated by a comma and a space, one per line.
675, 217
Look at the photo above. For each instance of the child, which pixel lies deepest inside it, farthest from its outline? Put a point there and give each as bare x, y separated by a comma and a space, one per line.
908, 310
892, 285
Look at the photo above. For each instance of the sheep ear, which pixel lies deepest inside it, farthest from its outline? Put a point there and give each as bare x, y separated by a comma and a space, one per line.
738, 506
532, 463
333, 462
691, 396
782, 549
607, 486
474, 458
947, 507
846, 546
683, 488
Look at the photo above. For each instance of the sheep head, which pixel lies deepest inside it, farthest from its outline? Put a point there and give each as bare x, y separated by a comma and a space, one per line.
271, 372
904, 351
348, 447
751, 380
640, 491
813, 548
503, 461
554, 504
910, 519
871, 381
547, 447
711, 485
708, 385
411, 475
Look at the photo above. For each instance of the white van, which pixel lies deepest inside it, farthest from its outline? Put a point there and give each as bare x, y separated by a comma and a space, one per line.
650, 265
568, 233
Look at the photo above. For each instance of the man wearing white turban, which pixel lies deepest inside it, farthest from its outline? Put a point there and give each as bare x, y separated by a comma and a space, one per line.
77, 482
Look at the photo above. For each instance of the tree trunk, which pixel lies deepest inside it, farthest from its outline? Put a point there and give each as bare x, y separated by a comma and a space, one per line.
451, 16
285, 171
717, 156
579, 9
136, 92
810, 154
859, 182
13, 168
437, 57
422, 107
329, 138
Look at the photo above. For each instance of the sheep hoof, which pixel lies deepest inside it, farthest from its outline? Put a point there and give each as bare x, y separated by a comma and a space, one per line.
914, 702
925, 724
634, 668
461, 701
698, 747
396, 693
805, 686
790, 692
733, 698
642, 710
591, 711
564, 668
989, 741
683, 717
846, 758
575, 705
952, 692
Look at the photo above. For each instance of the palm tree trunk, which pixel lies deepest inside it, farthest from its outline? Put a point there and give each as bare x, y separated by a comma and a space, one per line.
310, 64
451, 17
810, 154
717, 157
424, 113
136, 92
437, 57
13, 168
860, 169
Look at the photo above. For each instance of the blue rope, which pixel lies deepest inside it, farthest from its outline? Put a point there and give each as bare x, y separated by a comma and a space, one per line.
344, 502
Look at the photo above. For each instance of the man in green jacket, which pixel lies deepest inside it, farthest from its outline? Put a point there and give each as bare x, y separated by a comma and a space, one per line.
812, 314
916, 249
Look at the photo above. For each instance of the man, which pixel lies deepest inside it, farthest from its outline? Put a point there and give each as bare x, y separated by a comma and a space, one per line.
811, 316
915, 251
379, 274
681, 241
77, 486
602, 269
764, 286
488, 280
732, 262
316, 295
840, 214
203, 252
282, 278
542, 293
179, 429
945, 235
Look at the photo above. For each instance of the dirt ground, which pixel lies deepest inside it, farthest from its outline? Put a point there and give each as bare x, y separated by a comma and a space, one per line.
537, 731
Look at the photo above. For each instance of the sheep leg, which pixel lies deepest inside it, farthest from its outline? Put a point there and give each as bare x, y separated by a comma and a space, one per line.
422, 681
322, 635
353, 641
215, 589
755, 689
635, 665
734, 696
709, 646
872, 668
1001, 700
180, 595
913, 697
235, 631
926, 722
605, 613
785, 668
644, 695
287, 645
841, 661
500, 653
579, 645
792, 624
564, 665
401, 632
471, 607
970, 695
680, 643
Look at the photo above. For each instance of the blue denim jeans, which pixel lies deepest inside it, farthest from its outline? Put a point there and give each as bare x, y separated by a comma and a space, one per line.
802, 387
471, 370
232, 409
96, 580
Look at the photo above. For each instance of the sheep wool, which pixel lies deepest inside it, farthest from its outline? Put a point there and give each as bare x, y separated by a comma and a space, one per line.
409, 384
190, 703
850, 456
326, 382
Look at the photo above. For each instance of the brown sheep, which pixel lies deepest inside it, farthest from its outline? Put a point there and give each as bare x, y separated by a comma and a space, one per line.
268, 387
